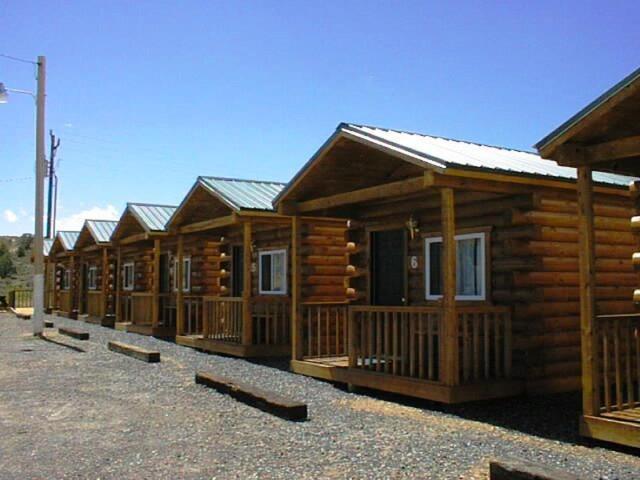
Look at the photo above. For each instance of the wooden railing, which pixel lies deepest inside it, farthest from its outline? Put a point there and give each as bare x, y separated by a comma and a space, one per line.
126, 311
271, 320
66, 301
167, 310
192, 306
396, 340
142, 308
485, 343
95, 303
618, 338
21, 298
223, 319
324, 330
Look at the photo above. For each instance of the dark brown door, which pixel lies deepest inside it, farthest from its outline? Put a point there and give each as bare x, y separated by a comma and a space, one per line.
388, 267
165, 273
237, 270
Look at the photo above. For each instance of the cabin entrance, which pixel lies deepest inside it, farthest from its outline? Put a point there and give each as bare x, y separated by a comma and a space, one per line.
237, 270
388, 251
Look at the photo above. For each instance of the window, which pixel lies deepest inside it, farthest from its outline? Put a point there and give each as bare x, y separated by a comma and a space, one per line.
273, 272
66, 279
470, 267
92, 277
186, 274
128, 276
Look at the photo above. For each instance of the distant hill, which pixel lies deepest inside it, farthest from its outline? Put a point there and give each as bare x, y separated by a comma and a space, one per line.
15, 262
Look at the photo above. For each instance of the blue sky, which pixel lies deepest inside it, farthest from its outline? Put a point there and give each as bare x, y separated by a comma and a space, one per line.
145, 96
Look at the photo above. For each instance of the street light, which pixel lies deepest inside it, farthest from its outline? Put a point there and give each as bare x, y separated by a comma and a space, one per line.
37, 319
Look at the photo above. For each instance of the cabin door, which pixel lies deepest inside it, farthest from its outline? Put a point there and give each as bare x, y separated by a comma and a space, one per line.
165, 273
237, 270
388, 276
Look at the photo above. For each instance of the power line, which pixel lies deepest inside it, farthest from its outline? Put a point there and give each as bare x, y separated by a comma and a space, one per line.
17, 59
18, 179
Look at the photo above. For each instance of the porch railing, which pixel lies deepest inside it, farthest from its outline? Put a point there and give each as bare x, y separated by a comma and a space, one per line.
95, 303
66, 301
21, 298
167, 310
396, 340
192, 305
142, 308
125, 315
271, 320
223, 319
324, 330
618, 338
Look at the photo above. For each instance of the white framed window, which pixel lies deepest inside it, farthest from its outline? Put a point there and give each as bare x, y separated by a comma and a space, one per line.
470, 267
272, 272
128, 278
92, 278
66, 279
186, 274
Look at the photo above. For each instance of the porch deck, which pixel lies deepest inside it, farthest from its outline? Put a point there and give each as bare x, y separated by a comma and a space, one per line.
400, 350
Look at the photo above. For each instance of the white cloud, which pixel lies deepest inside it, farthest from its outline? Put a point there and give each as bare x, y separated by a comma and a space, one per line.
10, 216
75, 221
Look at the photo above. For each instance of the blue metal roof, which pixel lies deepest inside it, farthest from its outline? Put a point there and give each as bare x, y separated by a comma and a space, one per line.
68, 239
243, 194
46, 246
152, 217
101, 230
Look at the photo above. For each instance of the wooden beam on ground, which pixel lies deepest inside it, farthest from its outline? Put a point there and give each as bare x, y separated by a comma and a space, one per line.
449, 315
209, 224
269, 402
391, 189
517, 469
149, 356
70, 332
247, 319
590, 384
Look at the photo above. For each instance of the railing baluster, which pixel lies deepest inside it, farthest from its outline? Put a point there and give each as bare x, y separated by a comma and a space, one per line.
629, 382
618, 375
485, 321
605, 365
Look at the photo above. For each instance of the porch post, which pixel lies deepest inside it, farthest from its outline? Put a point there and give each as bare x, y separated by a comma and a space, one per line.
179, 293
296, 331
81, 282
247, 322
155, 301
449, 357
117, 279
73, 288
590, 383
104, 287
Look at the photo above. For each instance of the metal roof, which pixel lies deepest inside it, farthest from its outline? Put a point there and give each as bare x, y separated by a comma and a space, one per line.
444, 152
101, 230
243, 194
68, 239
46, 246
605, 97
152, 217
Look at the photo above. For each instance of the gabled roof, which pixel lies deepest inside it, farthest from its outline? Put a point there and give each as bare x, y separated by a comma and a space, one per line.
438, 153
599, 102
68, 239
243, 194
101, 230
46, 246
153, 218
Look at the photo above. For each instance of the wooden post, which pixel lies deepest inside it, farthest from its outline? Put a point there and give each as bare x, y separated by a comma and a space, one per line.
247, 320
155, 301
104, 284
449, 357
180, 293
73, 288
118, 283
296, 287
590, 384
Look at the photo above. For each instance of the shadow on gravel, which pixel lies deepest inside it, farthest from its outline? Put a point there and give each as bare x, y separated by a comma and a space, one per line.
277, 363
61, 344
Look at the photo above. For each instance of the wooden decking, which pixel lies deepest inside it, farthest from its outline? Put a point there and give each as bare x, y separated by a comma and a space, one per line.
233, 348
151, 330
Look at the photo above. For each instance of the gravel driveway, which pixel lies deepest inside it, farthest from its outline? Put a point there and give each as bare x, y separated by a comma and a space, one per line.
66, 414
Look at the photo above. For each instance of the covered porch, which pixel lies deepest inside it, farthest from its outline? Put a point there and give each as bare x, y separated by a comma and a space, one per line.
605, 137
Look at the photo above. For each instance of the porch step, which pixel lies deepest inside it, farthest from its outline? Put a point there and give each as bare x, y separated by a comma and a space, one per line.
269, 402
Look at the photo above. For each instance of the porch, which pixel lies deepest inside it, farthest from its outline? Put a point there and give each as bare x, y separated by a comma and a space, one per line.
147, 313
405, 350
242, 327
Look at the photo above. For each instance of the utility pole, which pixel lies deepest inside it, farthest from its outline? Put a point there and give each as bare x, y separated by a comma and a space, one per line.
52, 157
37, 320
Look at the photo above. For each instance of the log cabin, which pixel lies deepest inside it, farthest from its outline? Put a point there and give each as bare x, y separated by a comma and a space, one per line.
96, 267
604, 138
458, 266
49, 277
62, 260
136, 239
233, 252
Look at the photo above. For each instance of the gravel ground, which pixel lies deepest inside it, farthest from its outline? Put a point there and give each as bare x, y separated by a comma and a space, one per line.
66, 414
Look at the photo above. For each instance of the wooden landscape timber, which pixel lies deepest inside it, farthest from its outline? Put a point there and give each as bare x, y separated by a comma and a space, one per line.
521, 335
605, 137
143, 302
73, 333
149, 356
63, 274
96, 266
